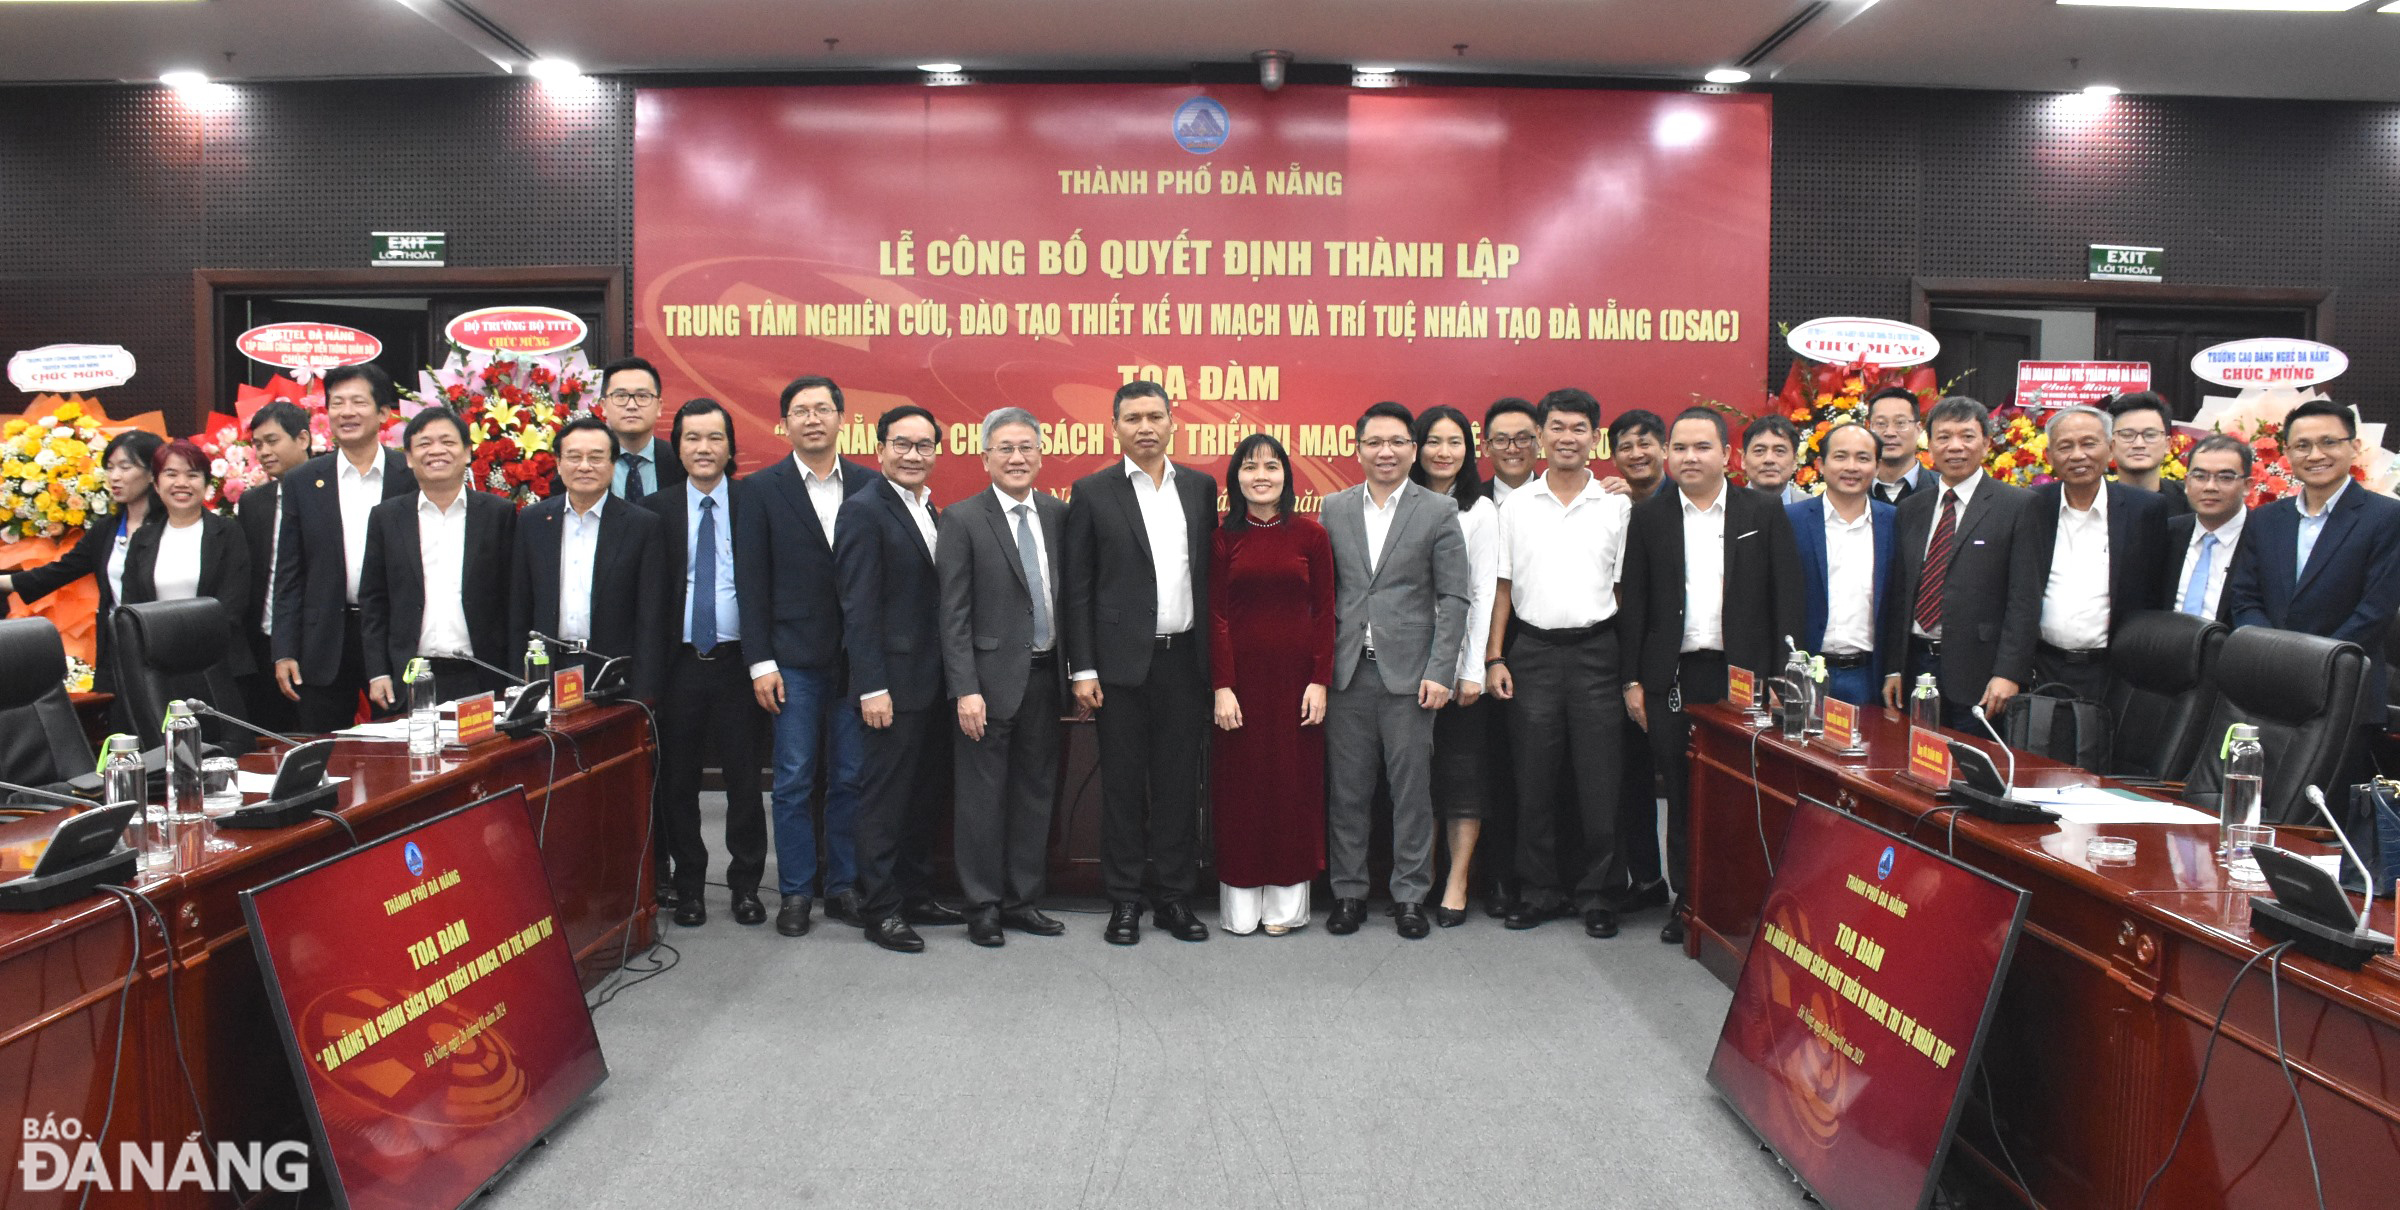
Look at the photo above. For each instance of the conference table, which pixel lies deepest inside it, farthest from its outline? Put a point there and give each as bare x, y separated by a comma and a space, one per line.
64, 971
2098, 1039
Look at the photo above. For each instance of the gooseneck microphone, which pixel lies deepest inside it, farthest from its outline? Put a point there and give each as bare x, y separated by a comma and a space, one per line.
52, 797
196, 706
494, 669
2008, 788
2366, 880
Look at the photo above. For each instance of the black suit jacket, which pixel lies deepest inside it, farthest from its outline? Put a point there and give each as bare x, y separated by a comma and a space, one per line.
256, 513
675, 565
783, 567
1111, 597
2179, 542
391, 589
88, 557
665, 467
1991, 600
2137, 545
891, 600
225, 576
2178, 505
311, 574
2350, 589
1762, 586
628, 584
987, 607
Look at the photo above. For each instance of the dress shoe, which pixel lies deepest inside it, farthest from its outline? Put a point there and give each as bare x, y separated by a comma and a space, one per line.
1412, 924
1177, 919
1599, 922
843, 906
1522, 915
692, 912
1124, 924
665, 895
1672, 931
1499, 902
747, 909
1029, 919
893, 933
1642, 898
1449, 917
932, 911
791, 919
983, 927
1348, 914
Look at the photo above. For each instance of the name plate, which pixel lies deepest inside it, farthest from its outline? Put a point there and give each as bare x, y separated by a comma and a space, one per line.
1928, 758
566, 689
1741, 688
1841, 727
476, 719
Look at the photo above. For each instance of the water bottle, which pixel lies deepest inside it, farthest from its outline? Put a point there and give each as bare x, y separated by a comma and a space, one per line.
123, 780
424, 708
1816, 695
184, 792
537, 661
2245, 778
1925, 705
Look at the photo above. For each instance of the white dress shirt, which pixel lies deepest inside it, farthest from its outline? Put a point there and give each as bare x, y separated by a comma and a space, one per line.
442, 547
176, 574
1481, 525
1009, 506
1704, 572
1966, 496
578, 550
1849, 582
919, 504
2229, 539
266, 608
1561, 560
1170, 551
1501, 491
359, 492
1379, 527
2075, 603
824, 494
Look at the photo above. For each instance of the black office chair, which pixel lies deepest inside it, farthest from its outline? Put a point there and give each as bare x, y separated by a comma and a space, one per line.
2159, 694
41, 740
178, 649
2302, 693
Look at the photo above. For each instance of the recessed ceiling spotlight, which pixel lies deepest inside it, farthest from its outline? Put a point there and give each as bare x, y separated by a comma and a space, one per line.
2100, 90
2249, 6
552, 69
940, 69
1727, 75
183, 79
1374, 71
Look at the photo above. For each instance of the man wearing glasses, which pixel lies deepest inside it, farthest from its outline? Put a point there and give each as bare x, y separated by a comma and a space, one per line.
629, 402
2209, 536
1512, 437
2140, 444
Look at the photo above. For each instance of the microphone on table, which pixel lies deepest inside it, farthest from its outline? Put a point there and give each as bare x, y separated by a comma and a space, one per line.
608, 679
196, 706
2366, 895
52, 797
2008, 788
494, 669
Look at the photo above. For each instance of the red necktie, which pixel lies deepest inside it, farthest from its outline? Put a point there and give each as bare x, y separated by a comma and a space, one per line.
1937, 565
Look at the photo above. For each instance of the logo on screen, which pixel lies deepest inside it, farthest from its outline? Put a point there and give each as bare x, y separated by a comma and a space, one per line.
416, 858
1201, 125
1883, 868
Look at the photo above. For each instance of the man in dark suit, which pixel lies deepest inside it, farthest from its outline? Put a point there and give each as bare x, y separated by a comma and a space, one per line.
2202, 543
1845, 539
891, 634
1711, 579
320, 658
629, 391
589, 568
1892, 414
2098, 549
1771, 458
2139, 436
792, 624
279, 439
998, 559
706, 712
435, 561
1964, 607
1136, 607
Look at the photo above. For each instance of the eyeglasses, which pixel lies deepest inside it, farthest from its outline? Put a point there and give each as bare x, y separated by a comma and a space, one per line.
2220, 478
1520, 441
2303, 449
1379, 445
587, 459
922, 449
1015, 450
821, 410
631, 397
2140, 436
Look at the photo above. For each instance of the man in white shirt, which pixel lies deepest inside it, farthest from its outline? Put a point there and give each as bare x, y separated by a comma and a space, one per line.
435, 562
1514, 438
1844, 538
1771, 458
1512, 432
2099, 549
2201, 543
279, 437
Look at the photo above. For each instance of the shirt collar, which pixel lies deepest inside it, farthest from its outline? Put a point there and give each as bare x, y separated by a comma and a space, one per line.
594, 514
1008, 503
1540, 486
692, 495
2098, 510
2330, 502
1390, 502
1833, 519
920, 498
1716, 506
809, 476
2228, 533
1165, 476
1965, 489
458, 506
349, 470
647, 453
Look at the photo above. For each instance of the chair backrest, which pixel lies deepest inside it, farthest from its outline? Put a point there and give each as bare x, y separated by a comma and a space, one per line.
41, 740
178, 649
2160, 694
2301, 692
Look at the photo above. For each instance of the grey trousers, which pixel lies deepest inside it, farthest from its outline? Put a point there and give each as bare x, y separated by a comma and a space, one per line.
1370, 730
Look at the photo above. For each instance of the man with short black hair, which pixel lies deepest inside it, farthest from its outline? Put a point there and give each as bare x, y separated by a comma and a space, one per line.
589, 569
320, 659
1892, 415
1513, 436
1771, 458
2207, 538
1845, 538
2140, 435
279, 439
1637, 443
422, 554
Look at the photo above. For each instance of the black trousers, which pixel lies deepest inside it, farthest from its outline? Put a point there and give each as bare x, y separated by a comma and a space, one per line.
1637, 808
899, 798
334, 705
263, 702
707, 716
1699, 678
1495, 869
1569, 709
2086, 674
1153, 737
1006, 783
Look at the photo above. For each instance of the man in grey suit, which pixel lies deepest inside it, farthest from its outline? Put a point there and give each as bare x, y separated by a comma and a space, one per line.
998, 563
1400, 610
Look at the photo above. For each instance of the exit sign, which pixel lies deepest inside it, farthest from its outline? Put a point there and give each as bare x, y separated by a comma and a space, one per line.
408, 249
2123, 262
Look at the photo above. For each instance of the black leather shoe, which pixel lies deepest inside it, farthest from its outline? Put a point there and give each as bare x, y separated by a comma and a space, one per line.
843, 906
1449, 917
893, 933
1672, 931
1412, 923
791, 919
747, 909
665, 895
1177, 919
1498, 902
983, 927
1124, 924
1641, 898
692, 912
1348, 914
1029, 919
932, 911
1599, 922
1528, 915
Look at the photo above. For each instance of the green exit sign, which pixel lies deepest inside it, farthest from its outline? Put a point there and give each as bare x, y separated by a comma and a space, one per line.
408, 249
2124, 262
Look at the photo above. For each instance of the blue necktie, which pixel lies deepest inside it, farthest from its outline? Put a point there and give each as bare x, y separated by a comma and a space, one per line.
704, 579
635, 489
2195, 590
1033, 577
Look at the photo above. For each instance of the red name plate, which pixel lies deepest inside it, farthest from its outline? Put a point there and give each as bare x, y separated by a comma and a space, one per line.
566, 689
1929, 758
476, 719
1741, 688
1841, 724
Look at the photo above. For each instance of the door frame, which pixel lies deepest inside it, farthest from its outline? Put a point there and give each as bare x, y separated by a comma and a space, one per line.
1927, 293
209, 284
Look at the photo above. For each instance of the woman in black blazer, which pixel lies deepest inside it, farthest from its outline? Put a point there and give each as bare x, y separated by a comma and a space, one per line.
194, 552
100, 552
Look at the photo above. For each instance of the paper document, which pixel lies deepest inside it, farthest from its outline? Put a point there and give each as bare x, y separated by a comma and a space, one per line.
2099, 805
264, 783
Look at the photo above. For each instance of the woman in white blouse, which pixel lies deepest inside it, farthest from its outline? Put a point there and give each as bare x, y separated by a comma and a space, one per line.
107, 539
194, 552
1446, 464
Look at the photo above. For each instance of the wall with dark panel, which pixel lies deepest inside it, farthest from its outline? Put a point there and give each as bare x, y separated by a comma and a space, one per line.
110, 196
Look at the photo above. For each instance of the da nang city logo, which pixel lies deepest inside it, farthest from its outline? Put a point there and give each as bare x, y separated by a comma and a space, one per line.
1201, 125
1883, 868
416, 859
56, 1156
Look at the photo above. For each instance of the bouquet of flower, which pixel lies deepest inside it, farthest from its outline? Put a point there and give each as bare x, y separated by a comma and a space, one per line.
2256, 416
514, 407
2020, 453
50, 471
1815, 398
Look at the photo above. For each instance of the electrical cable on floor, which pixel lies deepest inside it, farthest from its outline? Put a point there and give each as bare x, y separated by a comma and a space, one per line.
616, 982
2308, 1137
2208, 1055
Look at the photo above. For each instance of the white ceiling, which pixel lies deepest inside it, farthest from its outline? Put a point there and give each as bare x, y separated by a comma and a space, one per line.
2008, 44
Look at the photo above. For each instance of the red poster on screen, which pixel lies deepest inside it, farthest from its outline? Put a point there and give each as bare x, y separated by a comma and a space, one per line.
1276, 260
428, 999
1861, 1007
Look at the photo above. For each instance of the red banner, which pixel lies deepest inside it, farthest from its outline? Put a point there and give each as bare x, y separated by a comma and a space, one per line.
1277, 260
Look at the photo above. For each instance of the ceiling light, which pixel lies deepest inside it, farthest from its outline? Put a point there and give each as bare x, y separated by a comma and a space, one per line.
1375, 71
940, 69
552, 69
183, 79
1727, 75
2100, 90
2250, 6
